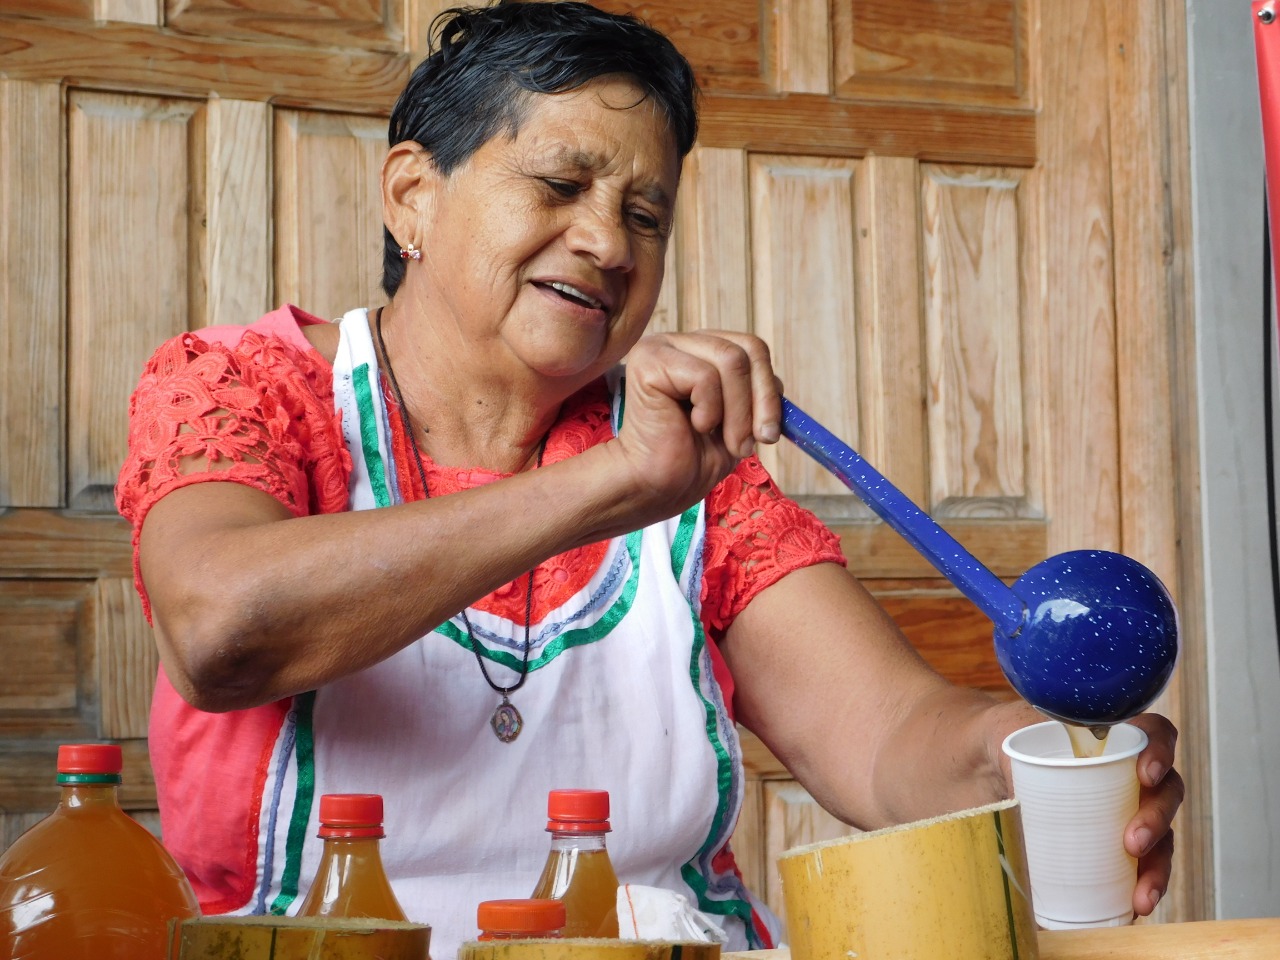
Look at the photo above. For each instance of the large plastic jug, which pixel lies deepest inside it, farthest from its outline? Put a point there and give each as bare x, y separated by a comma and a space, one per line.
89, 880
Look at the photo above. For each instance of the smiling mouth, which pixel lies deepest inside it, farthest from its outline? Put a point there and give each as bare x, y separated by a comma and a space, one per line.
572, 294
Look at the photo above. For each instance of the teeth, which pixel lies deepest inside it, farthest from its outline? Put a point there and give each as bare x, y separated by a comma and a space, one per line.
575, 293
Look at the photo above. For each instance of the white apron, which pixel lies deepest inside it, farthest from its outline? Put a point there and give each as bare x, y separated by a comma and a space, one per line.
620, 696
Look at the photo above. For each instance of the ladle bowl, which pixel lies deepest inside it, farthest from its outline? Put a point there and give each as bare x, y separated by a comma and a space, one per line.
1088, 637
1100, 639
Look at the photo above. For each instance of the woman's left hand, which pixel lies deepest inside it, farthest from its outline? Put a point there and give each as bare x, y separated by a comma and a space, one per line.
1149, 835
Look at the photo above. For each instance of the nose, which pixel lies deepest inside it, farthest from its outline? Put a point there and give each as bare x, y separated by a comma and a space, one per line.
601, 235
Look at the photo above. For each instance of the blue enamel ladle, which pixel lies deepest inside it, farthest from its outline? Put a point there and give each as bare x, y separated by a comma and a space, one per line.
1088, 637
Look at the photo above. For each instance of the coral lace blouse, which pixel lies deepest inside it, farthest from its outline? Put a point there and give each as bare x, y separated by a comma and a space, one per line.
257, 402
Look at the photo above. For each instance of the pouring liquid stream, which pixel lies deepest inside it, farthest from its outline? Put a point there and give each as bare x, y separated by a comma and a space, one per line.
1087, 741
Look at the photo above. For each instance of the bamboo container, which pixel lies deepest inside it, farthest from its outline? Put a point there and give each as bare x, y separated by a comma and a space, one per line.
955, 887
300, 938
588, 949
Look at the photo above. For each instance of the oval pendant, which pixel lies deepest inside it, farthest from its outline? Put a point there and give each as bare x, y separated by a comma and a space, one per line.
506, 721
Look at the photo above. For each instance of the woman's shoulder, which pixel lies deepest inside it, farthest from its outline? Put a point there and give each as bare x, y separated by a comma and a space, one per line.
288, 323
274, 348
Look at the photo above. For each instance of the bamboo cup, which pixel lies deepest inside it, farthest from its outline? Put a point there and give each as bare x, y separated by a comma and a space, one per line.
955, 887
300, 938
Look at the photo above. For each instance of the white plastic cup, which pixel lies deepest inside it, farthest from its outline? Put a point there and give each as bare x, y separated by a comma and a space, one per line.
1074, 811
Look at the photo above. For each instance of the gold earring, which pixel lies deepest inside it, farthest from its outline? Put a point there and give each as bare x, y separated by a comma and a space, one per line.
409, 253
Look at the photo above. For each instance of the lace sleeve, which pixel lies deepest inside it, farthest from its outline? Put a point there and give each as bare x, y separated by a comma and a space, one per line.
260, 414
755, 537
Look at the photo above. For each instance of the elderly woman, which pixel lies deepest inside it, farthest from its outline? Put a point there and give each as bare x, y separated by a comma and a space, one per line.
443, 551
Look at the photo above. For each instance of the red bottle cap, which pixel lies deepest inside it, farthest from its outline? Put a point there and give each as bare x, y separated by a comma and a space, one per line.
578, 811
351, 815
532, 918
90, 758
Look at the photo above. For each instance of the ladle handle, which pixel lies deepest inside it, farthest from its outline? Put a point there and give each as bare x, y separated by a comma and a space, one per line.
992, 596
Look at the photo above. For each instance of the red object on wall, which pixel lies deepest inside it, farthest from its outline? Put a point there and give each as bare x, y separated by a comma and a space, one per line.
1266, 38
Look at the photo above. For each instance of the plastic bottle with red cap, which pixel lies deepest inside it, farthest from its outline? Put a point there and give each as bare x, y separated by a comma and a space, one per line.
351, 881
88, 880
578, 870
520, 919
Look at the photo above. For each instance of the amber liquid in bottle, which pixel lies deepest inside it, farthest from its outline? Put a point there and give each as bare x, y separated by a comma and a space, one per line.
89, 881
579, 873
351, 882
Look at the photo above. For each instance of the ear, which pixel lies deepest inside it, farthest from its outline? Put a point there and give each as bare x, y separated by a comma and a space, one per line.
409, 179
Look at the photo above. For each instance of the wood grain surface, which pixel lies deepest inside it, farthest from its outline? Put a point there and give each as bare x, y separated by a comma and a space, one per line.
1257, 939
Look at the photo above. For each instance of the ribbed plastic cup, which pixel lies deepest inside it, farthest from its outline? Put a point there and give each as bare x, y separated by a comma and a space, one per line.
1074, 811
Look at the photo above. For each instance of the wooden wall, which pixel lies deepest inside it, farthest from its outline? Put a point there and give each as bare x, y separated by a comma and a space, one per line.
960, 226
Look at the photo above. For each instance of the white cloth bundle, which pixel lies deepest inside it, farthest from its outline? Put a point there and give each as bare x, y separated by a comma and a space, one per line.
654, 913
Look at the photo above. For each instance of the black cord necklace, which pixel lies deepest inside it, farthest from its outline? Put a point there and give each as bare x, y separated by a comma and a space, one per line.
505, 720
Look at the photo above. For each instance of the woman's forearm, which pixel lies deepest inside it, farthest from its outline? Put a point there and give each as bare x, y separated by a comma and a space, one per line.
945, 754
251, 605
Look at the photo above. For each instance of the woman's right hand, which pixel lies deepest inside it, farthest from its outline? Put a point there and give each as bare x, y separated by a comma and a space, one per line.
696, 403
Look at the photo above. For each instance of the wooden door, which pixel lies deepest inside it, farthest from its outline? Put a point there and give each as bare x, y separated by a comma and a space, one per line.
958, 225
164, 165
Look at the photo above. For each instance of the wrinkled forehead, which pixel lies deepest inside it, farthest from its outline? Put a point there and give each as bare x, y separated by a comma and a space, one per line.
594, 128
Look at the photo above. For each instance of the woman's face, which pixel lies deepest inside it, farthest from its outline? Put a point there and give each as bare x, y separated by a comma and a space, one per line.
546, 249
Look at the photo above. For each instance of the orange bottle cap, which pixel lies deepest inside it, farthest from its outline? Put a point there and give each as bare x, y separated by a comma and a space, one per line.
531, 917
578, 811
90, 758
351, 815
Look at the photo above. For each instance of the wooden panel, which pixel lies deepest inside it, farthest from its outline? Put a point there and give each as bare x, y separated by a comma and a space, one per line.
133, 57
128, 266
1007, 547
238, 211
1196, 857
890, 345
83, 9
666, 312
759, 763
129, 11
40, 648
952, 635
714, 234
970, 51
804, 301
417, 17
722, 41
1077, 296
48, 544
813, 124
328, 211
352, 24
31, 294
1147, 332
802, 47
974, 322
127, 660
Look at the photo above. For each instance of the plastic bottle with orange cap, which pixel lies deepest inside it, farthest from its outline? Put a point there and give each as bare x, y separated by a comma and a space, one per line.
532, 919
350, 880
88, 880
578, 870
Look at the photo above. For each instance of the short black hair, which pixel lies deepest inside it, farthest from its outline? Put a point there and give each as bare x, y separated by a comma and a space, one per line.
486, 60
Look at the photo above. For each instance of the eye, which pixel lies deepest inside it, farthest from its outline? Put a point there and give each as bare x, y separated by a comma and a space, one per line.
648, 222
563, 188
